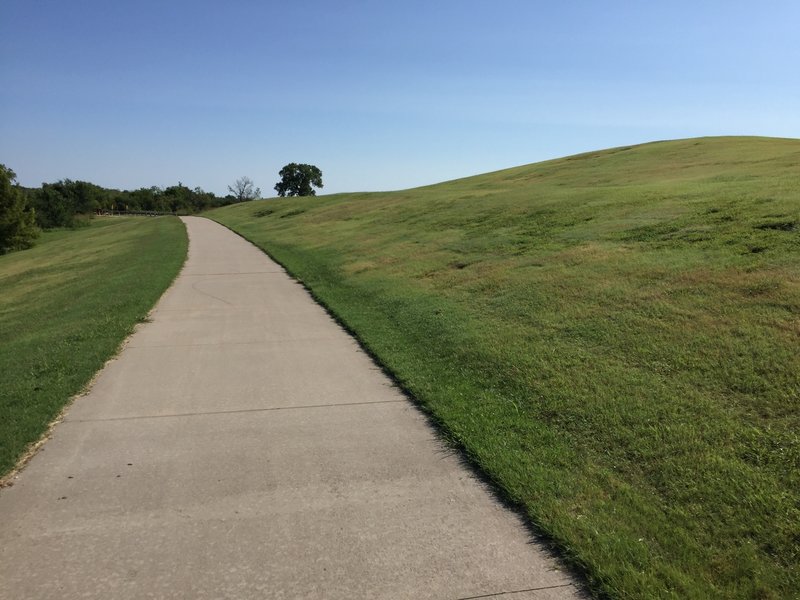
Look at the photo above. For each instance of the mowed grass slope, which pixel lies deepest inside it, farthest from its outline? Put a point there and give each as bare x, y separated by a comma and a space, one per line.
65, 307
613, 337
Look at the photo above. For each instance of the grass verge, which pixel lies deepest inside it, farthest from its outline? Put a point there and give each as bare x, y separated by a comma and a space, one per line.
66, 305
612, 337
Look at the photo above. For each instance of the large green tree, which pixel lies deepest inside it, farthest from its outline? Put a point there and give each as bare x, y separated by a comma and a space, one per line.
17, 228
298, 180
59, 204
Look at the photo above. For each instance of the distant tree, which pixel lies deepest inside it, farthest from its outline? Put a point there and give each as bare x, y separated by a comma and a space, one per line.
177, 198
17, 228
298, 179
151, 198
53, 208
244, 189
59, 204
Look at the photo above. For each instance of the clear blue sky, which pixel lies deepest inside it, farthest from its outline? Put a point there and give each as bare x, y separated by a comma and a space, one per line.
379, 95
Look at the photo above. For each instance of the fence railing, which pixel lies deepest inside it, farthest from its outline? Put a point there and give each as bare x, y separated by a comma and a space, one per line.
140, 213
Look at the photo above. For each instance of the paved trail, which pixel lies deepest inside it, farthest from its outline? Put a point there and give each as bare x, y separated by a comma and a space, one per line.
243, 446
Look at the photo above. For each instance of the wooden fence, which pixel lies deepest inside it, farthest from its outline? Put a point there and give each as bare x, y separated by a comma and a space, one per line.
139, 213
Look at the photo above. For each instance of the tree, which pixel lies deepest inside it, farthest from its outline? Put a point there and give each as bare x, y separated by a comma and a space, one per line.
59, 204
244, 189
17, 228
298, 179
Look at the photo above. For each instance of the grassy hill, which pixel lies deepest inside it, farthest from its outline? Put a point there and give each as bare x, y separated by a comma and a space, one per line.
614, 337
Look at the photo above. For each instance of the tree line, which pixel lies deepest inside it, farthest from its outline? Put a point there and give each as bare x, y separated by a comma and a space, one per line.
26, 211
67, 203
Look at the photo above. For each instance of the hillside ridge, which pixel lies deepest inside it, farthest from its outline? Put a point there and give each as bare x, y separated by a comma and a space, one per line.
611, 337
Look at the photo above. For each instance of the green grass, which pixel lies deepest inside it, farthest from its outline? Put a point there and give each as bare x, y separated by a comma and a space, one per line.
65, 307
613, 337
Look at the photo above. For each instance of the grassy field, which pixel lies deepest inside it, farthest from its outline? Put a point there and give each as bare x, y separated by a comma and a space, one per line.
613, 337
65, 307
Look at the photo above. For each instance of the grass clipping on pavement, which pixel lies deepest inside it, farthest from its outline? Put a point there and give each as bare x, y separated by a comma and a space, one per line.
613, 337
66, 305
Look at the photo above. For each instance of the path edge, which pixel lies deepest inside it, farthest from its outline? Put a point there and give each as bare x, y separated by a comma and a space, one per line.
33, 448
566, 560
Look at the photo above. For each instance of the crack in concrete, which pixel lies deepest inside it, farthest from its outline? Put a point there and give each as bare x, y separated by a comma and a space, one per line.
235, 273
498, 594
197, 289
229, 412
253, 343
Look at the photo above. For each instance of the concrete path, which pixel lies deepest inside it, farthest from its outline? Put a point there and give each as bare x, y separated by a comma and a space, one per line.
243, 446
